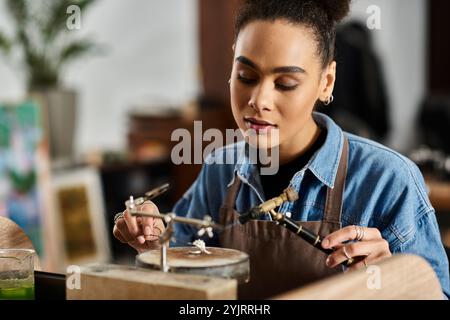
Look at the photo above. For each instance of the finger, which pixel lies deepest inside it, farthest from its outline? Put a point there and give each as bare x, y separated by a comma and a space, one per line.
118, 235
349, 233
131, 223
152, 245
370, 260
148, 222
125, 232
154, 236
362, 263
353, 250
160, 224
356, 249
158, 229
139, 247
126, 237
359, 265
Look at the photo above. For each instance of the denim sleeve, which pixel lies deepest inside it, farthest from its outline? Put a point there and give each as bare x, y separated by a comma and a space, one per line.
413, 227
193, 204
426, 242
409, 222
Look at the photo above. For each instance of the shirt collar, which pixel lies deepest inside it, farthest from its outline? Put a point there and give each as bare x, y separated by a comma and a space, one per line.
323, 164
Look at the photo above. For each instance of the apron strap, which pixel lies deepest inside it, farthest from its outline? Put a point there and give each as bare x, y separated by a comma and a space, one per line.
335, 196
230, 198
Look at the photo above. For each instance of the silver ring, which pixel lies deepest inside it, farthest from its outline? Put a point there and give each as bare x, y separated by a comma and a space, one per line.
362, 232
359, 233
346, 253
118, 216
365, 262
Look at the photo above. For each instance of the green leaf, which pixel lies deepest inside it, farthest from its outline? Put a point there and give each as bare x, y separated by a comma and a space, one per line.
22, 182
56, 20
41, 72
19, 11
40, 32
75, 49
5, 42
58, 16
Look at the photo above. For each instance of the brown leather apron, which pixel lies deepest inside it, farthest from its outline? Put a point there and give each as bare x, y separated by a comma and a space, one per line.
279, 259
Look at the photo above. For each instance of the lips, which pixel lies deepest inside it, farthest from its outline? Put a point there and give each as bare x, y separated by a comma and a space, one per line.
259, 125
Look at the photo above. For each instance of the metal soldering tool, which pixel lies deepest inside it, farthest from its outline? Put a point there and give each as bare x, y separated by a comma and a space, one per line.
290, 195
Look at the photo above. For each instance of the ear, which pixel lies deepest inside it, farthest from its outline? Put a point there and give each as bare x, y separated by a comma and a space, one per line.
327, 81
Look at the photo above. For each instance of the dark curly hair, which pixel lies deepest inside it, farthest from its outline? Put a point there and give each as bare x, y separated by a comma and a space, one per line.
321, 16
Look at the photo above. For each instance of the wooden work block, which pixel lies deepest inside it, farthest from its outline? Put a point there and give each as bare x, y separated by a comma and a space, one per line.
114, 282
402, 276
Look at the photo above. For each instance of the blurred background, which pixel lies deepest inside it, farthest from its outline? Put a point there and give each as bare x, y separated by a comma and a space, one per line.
90, 92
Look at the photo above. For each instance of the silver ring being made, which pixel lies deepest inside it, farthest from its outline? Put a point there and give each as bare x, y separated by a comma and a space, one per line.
118, 216
346, 253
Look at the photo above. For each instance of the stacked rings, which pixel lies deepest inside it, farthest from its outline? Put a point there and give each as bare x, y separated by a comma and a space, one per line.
359, 233
118, 216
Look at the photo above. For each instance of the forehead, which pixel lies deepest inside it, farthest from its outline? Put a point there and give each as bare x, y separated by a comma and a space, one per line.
279, 43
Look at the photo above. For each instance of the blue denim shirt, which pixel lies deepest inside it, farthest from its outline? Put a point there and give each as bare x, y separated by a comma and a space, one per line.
383, 190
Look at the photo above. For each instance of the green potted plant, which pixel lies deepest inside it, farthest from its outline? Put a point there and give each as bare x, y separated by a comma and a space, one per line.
44, 45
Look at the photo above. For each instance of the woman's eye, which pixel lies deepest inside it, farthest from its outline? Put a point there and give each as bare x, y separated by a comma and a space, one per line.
284, 87
245, 79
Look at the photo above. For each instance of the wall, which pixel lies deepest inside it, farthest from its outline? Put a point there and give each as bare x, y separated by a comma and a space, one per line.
153, 56
401, 44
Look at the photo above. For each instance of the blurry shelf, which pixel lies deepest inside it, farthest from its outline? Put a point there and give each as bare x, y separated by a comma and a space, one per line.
439, 194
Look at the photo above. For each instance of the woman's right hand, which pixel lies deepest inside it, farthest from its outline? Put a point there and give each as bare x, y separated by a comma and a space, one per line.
141, 233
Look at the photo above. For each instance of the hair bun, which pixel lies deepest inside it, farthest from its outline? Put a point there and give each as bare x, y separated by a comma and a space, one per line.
335, 9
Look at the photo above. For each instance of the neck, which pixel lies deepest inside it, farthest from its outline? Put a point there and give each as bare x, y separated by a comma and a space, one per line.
290, 150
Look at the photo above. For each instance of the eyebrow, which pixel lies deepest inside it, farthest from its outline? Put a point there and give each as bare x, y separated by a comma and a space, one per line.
284, 69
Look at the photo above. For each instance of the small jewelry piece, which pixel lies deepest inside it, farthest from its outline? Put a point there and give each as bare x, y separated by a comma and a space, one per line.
358, 233
365, 262
207, 230
118, 216
361, 233
346, 253
200, 244
329, 100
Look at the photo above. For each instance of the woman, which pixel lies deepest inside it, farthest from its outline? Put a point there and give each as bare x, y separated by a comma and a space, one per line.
365, 199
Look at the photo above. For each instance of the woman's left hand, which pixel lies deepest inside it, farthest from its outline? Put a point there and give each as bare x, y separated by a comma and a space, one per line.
369, 243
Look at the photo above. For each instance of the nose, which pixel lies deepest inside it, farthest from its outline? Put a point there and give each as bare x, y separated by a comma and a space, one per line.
261, 98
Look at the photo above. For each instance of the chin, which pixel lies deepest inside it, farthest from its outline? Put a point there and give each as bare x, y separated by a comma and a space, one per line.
262, 141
